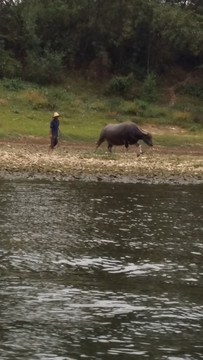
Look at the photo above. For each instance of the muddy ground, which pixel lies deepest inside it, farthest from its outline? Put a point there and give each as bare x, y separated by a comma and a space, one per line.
31, 158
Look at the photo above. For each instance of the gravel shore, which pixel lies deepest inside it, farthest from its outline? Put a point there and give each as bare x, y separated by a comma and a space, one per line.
31, 158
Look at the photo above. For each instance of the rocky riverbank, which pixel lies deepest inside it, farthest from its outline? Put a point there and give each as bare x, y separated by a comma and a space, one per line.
31, 158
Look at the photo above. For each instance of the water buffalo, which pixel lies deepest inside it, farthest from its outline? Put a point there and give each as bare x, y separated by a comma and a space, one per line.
126, 133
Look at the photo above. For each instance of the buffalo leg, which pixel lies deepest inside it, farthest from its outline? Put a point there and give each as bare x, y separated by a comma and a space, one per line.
126, 145
110, 147
99, 142
139, 152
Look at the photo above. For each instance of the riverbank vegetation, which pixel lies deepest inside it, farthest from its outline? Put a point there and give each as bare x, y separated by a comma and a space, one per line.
97, 62
26, 110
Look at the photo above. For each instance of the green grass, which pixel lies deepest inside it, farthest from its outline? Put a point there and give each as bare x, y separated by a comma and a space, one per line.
179, 140
26, 109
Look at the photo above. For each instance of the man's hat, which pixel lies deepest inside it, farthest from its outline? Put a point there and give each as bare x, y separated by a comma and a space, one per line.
56, 114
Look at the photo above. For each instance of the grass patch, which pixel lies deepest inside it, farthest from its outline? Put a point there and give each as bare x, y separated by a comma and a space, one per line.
26, 109
183, 140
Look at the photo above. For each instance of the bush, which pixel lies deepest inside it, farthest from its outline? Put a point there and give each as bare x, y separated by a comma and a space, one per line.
142, 104
119, 85
194, 90
114, 103
135, 108
14, 84
150, 88
35, 99
182, 118
59, 93
44, 69
197, 118
9, 66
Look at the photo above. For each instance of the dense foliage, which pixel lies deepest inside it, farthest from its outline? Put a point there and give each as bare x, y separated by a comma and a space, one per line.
40, 40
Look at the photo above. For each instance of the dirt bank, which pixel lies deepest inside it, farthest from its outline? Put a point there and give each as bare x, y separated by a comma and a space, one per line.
30, 158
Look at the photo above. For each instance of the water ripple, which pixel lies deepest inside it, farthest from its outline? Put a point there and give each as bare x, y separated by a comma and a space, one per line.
100, 271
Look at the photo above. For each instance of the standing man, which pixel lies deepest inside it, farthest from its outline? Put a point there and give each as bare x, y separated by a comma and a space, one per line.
54, 130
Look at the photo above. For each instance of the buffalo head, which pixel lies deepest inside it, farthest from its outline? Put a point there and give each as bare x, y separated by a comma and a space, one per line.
147, 138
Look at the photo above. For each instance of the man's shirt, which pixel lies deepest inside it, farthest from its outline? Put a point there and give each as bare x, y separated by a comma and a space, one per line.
54, 125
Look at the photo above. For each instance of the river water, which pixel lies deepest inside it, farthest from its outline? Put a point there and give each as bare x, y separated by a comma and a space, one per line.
100, 271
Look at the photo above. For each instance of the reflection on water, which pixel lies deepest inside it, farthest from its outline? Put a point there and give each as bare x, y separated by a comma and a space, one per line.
100, 271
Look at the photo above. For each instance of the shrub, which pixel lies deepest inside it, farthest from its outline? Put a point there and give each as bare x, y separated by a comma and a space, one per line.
14, 84
60, 94
130, 108
9, 66
114, 103
119, 85
135, 108
182, 117
150, 88
34, 98
141, 104
197, 118
194, 90
44, 69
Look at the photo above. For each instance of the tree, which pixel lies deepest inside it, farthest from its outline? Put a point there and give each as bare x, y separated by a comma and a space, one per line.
127, 36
